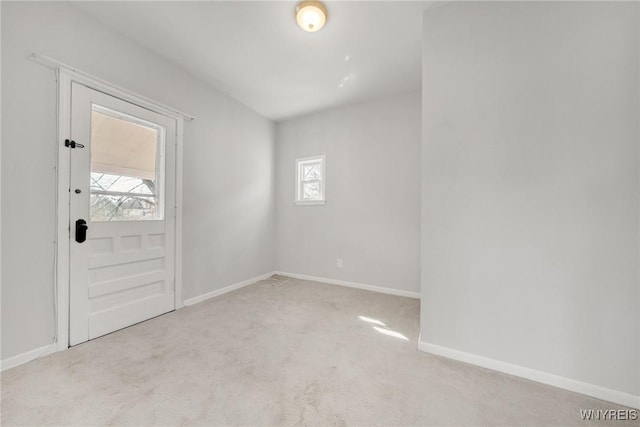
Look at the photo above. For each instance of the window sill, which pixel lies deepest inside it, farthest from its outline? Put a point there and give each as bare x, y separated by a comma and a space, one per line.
310, 202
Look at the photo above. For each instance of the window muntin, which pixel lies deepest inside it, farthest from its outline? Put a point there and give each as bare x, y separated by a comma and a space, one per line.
126, 167
310, 185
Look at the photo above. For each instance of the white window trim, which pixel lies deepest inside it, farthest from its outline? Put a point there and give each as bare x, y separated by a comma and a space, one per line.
323, 181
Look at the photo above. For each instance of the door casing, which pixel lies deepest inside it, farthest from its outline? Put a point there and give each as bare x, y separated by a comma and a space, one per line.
65, 77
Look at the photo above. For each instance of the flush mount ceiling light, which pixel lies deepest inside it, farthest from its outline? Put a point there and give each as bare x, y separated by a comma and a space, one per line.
311, 15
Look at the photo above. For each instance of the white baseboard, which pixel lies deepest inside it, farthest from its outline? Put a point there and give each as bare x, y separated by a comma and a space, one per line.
28, 356
592, 390
380, 289
226, 289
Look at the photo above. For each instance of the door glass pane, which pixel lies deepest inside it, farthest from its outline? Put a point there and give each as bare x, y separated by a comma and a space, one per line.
126, 167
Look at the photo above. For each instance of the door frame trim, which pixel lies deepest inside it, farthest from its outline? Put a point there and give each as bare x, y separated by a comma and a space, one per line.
65, 77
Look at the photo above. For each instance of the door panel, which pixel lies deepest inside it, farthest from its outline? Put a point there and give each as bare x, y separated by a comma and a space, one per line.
123, 185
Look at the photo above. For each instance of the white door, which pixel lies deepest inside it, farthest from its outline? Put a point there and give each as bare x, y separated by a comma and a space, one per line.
123, 187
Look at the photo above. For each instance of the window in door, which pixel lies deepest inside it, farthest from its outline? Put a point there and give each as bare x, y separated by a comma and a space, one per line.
126, 167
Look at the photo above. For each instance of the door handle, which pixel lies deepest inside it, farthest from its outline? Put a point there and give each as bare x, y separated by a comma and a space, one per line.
81, 230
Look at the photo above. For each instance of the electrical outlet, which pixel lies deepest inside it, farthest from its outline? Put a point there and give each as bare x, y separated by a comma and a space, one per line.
339, 263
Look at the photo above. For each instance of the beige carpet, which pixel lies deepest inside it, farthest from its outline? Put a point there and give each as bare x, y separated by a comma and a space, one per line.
273, 353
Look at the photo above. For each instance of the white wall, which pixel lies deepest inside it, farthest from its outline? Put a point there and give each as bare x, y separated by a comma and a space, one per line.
530, 186
228, 164
372, 216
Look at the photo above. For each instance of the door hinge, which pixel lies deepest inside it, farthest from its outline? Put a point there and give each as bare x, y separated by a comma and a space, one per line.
72, 144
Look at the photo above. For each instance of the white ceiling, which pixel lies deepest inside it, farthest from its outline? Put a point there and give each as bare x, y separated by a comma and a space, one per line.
256, 53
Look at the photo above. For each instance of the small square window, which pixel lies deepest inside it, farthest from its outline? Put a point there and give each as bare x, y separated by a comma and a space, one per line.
310, 181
